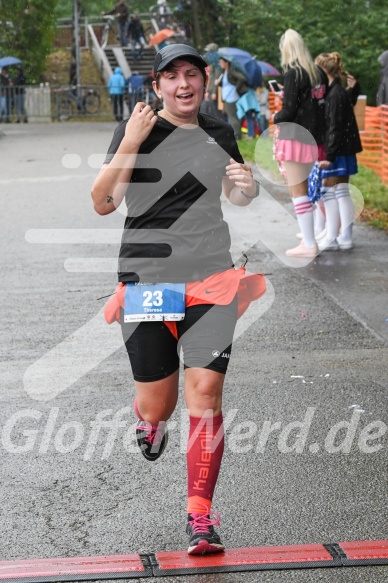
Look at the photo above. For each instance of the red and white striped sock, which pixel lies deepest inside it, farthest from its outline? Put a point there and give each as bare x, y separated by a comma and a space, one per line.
304, 214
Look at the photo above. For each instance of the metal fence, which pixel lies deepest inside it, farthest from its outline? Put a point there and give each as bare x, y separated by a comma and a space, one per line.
24, 103
45, 103
93, 102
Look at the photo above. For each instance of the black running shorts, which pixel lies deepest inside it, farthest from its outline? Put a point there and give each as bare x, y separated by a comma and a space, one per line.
205, 337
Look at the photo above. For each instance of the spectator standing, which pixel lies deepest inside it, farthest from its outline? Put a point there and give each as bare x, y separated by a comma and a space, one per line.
382, 93
121, 13
263, 97
5, 95
233, 86
163, 14
136, 90
342, 143
248, 107
214, 72
116, 86
300, 128
19, 82
137, 36
179, 35
151, 97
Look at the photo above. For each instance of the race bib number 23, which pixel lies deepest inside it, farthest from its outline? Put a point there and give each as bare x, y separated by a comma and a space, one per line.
154, 302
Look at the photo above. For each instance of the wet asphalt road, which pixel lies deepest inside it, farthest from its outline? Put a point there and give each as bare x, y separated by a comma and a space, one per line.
314, 351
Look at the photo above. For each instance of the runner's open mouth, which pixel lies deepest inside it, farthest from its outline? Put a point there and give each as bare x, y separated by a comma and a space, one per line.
185, 96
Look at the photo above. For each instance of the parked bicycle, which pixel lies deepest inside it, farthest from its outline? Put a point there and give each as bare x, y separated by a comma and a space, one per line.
84, 101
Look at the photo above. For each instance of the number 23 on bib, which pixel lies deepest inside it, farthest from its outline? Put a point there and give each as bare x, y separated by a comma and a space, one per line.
154, 302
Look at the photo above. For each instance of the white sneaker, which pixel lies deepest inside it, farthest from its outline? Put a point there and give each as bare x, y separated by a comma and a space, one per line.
326, 245
344, 244
302, 251
321, 235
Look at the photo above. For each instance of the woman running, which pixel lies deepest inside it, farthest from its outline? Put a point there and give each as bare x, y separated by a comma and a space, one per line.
170, 166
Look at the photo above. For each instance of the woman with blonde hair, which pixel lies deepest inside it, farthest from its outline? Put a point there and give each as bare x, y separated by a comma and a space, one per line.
342, 143
301, 128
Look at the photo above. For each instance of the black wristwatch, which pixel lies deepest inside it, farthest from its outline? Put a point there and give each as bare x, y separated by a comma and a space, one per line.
257, 192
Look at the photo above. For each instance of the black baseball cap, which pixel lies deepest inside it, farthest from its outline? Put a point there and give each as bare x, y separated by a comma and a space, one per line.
177, 51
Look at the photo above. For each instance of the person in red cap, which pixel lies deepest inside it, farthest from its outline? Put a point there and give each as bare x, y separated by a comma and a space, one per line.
170, 166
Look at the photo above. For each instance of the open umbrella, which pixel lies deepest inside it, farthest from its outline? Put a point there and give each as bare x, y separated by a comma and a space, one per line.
8, 61
233, 53
211, 57
161, 36
268, 70
242, 57
246, 62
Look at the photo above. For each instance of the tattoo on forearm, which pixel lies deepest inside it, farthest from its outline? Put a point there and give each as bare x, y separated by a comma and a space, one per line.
109, 198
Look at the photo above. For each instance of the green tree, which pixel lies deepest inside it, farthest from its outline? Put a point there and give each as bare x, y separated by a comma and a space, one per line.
354, 28
28, 32
64, 8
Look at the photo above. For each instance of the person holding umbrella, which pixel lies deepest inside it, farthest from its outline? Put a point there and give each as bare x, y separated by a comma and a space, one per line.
159, 39
233, 86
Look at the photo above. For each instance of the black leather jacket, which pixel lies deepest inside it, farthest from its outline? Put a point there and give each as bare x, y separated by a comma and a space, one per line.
342, 137
303, 107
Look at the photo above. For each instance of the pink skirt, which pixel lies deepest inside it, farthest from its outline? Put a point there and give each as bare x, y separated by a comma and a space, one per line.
294, 151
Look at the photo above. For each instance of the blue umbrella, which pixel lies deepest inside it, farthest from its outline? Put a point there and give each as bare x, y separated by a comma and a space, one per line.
8, 61
244, 61
212, 57
238, 56
232, 53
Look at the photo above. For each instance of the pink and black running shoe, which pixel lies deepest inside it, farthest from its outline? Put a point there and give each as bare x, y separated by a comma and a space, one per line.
203, 540
151, 439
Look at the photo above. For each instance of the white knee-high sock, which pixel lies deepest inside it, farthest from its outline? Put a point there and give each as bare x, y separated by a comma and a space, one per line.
332, 214
304, 214
346, 210
319, 212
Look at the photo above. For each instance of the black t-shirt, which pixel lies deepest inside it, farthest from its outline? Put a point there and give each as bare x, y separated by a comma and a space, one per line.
174, 230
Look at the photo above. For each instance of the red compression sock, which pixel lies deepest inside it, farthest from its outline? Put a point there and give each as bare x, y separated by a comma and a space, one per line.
204, 454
